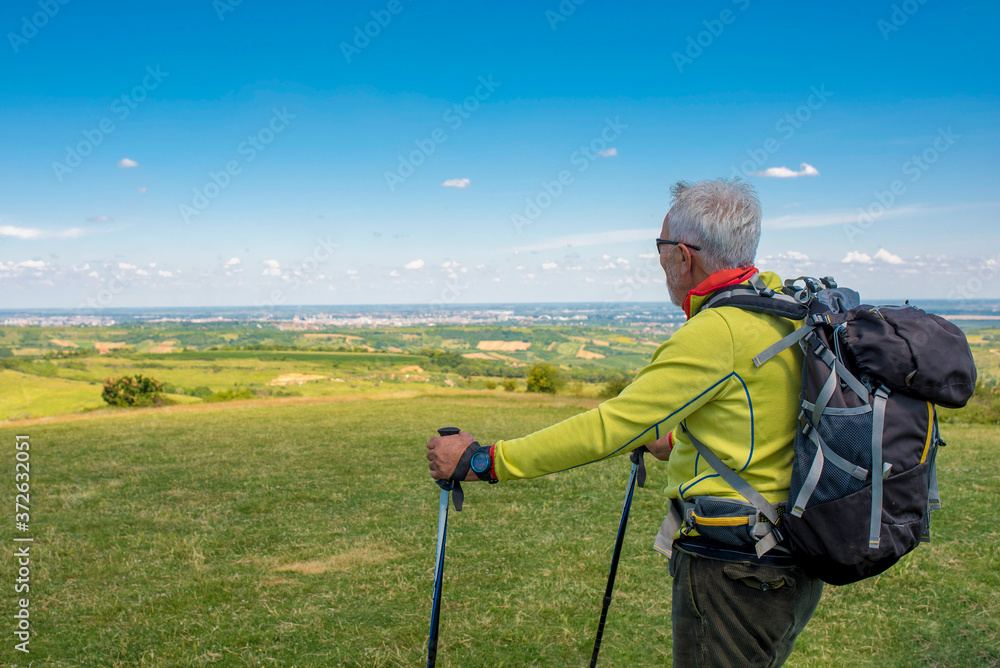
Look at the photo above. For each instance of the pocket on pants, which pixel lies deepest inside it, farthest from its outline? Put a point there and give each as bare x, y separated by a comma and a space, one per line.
761, 578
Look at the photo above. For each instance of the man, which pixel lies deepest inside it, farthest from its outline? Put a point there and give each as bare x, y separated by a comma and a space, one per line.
731, 607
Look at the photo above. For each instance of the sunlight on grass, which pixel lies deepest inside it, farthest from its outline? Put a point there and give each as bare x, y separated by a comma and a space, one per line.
304, 534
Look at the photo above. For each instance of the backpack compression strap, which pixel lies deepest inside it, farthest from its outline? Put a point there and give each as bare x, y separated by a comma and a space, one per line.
878, 421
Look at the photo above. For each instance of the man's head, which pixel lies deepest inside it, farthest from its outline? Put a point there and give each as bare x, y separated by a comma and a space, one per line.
722, 218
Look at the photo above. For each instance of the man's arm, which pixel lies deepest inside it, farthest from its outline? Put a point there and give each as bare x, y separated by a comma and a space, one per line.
688, 371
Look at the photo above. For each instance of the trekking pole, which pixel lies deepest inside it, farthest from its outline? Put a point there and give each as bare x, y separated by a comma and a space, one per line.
638, 474
446, 487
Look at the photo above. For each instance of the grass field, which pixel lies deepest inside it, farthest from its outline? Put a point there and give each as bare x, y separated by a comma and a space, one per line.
301, 532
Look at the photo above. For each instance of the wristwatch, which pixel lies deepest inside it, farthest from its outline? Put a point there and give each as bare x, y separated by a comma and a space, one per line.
481, 461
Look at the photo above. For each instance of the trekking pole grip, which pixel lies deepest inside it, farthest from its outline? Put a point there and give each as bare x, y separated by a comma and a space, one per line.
449, 485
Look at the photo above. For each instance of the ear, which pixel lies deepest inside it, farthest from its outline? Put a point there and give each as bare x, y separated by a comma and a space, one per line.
687, 261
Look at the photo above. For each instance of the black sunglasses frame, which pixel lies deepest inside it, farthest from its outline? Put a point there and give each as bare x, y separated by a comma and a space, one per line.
661, 242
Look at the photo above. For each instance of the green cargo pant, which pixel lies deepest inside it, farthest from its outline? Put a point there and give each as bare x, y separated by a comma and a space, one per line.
729, 614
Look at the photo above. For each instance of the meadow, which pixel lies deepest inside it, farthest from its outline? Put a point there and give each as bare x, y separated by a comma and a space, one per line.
49, 371
301, 532
297, 528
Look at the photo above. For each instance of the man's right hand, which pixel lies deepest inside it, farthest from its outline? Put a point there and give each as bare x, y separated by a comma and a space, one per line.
443, 453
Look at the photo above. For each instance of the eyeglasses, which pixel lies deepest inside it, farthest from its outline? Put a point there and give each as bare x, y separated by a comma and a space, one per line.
660, 243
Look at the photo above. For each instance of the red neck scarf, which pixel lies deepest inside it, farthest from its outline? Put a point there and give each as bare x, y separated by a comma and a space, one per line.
720, 279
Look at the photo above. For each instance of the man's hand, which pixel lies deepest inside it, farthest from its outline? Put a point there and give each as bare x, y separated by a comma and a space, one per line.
443, 452
661, 448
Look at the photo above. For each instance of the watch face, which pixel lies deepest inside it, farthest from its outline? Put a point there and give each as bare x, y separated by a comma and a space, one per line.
480, 461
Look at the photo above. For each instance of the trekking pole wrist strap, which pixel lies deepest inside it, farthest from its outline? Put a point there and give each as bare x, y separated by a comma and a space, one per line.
477, 458
637, 458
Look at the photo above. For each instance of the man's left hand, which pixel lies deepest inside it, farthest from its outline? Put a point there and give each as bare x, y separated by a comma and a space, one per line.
661, 447
443, 452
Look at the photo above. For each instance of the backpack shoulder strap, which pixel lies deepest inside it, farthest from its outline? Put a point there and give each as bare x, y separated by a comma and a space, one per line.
761, 299
755, 498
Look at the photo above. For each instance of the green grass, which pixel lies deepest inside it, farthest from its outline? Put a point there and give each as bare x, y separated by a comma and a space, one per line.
300, 533
41, 387
27, 395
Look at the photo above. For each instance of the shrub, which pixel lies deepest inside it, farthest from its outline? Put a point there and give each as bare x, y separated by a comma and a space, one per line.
230, 395
510, 385
614, 387
545, 377
134, 390
491, 385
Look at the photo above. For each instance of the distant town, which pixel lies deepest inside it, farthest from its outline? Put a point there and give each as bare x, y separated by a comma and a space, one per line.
322, 317
969, 313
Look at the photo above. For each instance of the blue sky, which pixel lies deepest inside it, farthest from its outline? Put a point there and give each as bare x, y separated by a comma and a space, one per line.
214, 153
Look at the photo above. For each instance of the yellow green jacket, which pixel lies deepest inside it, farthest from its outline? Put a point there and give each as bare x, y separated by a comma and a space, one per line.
703, 379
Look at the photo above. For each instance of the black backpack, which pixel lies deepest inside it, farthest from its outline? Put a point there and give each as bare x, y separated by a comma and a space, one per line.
863, 479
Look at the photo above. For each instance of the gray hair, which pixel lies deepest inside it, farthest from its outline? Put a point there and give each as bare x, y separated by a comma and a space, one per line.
722, 216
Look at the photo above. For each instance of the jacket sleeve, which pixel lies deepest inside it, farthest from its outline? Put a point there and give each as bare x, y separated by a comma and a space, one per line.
686, 372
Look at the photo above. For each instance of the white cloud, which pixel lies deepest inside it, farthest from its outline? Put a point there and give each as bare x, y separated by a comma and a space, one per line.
165, 274
790, 261
646, 256
232, 262
394, 273
99, 219
273, 268
35, 233
456, 183
352, 272
142, 272
127, 163
20, 232
857, 257
786, 173
416, 264
142, 189
886, 256
608, 152
549, 265
840, 217
32, 264
125, 265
